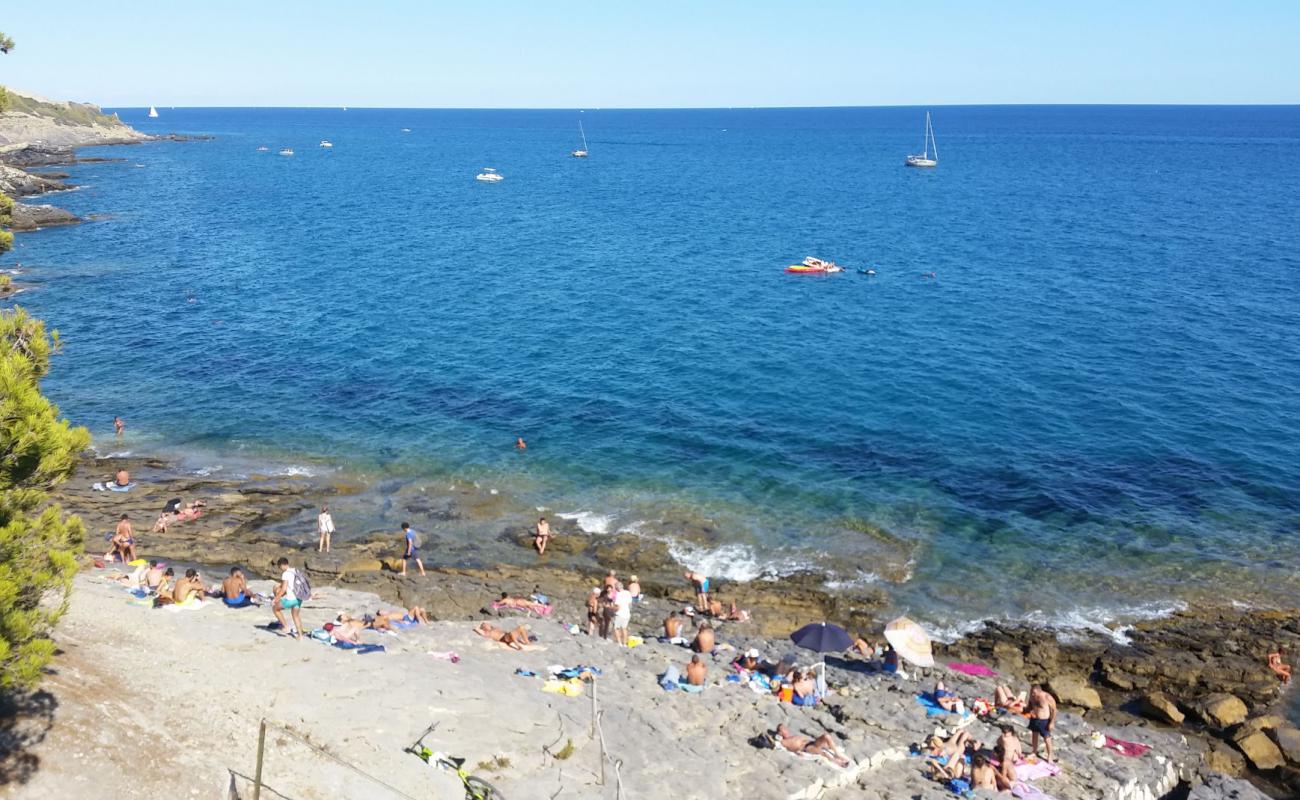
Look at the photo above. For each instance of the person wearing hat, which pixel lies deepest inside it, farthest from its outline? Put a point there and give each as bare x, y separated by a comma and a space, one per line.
749, 661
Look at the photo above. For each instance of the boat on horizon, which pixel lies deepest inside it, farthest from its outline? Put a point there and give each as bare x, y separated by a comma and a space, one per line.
153, 112
263, 149
924, 159
814, 266
583, 152
287, 151
489, 175
326, 143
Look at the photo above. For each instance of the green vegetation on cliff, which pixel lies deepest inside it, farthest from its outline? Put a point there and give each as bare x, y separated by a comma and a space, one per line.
38, 544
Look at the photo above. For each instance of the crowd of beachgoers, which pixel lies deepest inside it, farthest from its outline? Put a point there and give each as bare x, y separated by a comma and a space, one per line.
953, 757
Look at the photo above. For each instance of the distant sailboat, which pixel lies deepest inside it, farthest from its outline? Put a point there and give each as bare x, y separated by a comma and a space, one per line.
924, 160
153, 112
583, 152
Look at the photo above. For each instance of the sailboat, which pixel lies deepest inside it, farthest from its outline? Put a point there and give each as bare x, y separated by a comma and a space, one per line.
153, 112
583, 152
924, 160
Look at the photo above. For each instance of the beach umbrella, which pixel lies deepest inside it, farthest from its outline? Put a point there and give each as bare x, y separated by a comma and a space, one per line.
911, 641
822, 637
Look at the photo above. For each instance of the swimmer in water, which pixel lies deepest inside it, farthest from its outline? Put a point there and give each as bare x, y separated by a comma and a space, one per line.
520, 444
118, 425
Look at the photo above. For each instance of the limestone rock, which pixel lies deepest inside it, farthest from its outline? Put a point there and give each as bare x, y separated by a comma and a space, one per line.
1288, 740
1219, 787
1072, 691
29, 217
1221, 710
1222, 757
1161, 707
1260, 751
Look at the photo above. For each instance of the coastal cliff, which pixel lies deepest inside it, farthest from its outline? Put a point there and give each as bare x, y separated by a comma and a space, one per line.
38, 132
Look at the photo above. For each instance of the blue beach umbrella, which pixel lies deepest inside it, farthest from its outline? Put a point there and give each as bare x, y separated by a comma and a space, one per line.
822, 637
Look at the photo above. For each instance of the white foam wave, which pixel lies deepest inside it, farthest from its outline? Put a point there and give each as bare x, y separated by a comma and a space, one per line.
1071, 624
589, 521
205, 471
295, 471
734, 562
858, 581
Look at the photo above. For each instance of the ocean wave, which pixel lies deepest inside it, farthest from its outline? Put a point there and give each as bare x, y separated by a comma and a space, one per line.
1070, 625
735, 562
205, 471
295, 471
589, 521
860, 580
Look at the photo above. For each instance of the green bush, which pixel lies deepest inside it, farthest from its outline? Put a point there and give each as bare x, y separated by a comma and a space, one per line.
38, 544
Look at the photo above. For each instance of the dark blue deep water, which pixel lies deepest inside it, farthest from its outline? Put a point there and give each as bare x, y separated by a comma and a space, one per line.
1092, 410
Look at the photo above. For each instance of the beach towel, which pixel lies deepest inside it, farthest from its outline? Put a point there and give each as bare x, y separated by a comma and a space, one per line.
195, 602
544, 611
1033, 770
573, 672
569, 688
977, 670
109, 486
1027, 792
932, 709
959, 786
142, 602
670, 678
450, 655
1130, 749
689, 687
361, 649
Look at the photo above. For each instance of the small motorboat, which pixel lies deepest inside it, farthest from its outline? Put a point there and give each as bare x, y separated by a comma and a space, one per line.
866, 271
406, 130
288, 151
326, 143
814, 266
489, 175
263, 149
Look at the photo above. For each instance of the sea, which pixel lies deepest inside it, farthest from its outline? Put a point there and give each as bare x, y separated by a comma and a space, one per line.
1069, 393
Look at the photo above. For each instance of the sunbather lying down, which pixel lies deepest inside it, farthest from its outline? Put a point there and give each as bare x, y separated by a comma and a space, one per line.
515, 639
1003, 697
823, 745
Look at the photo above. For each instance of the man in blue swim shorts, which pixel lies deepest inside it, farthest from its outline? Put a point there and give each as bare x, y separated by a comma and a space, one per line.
1042, 717
701, 584
234, 590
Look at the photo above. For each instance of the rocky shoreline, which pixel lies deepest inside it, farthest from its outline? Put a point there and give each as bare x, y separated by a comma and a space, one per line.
1200, 673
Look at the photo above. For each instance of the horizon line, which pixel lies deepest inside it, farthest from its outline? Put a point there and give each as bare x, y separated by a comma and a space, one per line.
715, 108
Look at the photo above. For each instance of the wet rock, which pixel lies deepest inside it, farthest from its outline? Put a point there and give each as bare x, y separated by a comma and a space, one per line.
1160, 707
1260, 751
1288, 741
1221, 710
1072, 691
629, 553
29, 217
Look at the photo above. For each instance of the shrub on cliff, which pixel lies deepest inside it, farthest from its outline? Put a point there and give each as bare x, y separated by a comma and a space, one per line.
38, 544
6, 217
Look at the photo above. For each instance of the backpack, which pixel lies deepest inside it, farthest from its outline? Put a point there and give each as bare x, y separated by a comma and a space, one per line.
301, 586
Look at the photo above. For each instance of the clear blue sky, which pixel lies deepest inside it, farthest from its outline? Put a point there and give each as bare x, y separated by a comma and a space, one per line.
672, 53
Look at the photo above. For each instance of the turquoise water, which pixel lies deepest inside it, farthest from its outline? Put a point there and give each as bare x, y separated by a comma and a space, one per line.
1090, 411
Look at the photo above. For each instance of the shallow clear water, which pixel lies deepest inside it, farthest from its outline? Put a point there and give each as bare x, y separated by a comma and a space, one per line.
1091, 410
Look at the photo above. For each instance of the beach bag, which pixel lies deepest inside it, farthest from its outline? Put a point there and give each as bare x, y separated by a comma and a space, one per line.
301, 586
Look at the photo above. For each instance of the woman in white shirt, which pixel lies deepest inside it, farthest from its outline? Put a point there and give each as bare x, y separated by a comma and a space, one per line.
325, 527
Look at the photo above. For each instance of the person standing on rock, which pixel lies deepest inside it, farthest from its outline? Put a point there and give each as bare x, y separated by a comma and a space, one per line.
324, 527
622, 613
701, 585
543, 535
411, 553
1042, 718
593, 611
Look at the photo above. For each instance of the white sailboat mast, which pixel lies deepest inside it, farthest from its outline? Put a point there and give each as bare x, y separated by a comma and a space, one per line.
584, 135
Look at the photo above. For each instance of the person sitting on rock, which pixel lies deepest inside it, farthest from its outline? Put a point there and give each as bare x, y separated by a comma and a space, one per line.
1280, 668
749, 662
191, 586
704, 640
515, 639
673, 627
1008, 748
234, 590
1004, 698
122, 478
889, 660
695, 671
982, 774
862, 647
823, 745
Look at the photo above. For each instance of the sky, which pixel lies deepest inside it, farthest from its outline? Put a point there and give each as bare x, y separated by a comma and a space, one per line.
670, 53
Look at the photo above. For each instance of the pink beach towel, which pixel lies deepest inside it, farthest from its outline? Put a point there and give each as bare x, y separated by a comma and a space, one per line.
1026, 792
1130, 749
542, 611
1033, 770
977, 670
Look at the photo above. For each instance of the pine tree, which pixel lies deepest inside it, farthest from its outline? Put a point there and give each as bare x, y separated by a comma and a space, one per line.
38, 544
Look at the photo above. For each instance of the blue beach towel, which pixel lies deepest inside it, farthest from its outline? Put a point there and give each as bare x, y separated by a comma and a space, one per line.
361, 649
669, 680
689, 687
